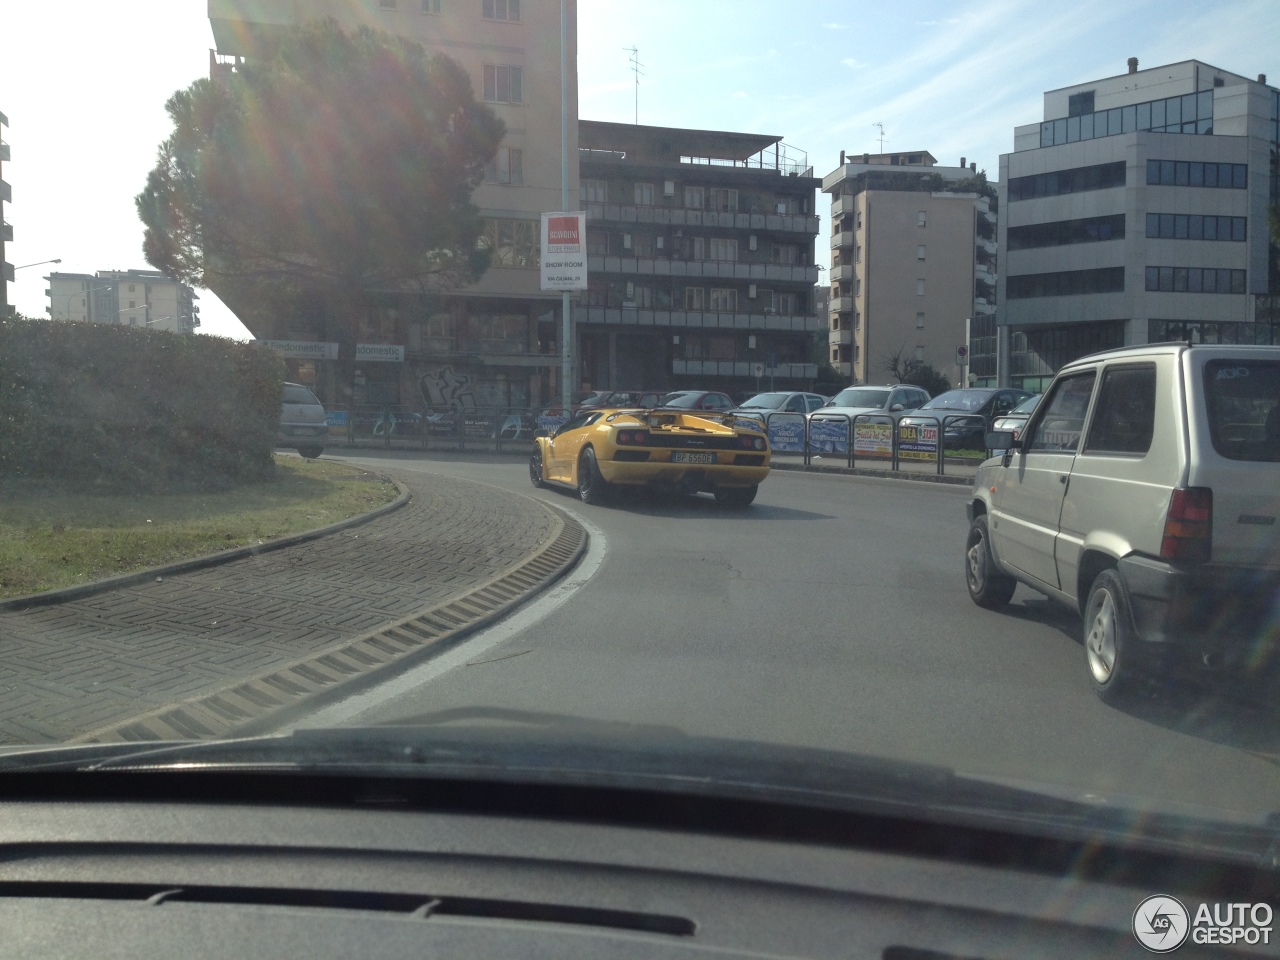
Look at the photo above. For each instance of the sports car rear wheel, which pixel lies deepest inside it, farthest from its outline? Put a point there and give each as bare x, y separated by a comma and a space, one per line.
592, 487
535, 466
736, 497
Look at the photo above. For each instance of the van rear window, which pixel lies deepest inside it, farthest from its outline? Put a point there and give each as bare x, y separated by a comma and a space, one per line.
1243, 398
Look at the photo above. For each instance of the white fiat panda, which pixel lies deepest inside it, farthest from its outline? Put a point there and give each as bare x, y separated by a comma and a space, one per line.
1144, 492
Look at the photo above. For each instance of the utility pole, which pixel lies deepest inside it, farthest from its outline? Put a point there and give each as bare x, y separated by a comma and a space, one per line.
566, 332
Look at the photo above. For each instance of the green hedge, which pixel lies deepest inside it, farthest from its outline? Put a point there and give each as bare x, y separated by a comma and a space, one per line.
125, 409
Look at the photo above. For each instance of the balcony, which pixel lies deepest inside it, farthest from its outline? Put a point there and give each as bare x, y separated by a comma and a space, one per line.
718, 269
679, 216
741, 368
840, 336
842, 206
844, 369
6, 232
980, 272
844, 271
842, 304
614, 316
841, 240
4, 151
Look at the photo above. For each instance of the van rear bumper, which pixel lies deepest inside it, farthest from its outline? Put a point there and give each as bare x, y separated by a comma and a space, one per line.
1231, 612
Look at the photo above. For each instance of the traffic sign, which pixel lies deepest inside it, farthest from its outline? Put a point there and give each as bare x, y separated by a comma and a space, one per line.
757, 369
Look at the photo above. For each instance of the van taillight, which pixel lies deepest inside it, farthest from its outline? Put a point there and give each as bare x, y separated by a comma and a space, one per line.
1188, 526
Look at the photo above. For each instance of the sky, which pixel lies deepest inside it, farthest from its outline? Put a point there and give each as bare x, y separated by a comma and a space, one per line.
84, 84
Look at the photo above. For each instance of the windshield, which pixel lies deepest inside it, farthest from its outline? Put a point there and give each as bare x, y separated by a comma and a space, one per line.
686, 401
202, 201
767, 401
860, 397
966, 400
1026, 407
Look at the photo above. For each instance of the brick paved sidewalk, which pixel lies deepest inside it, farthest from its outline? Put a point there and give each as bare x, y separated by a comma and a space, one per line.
101, 660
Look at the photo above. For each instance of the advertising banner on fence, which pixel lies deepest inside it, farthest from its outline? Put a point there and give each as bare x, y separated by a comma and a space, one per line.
786, 433
564, 251
918, 441
829, 436
873, 439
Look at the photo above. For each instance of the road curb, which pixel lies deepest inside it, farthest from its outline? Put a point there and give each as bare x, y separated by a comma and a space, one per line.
80, 590
257, 704
867, 472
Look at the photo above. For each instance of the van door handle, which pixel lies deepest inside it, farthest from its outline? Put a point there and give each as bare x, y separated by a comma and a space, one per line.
1062, 478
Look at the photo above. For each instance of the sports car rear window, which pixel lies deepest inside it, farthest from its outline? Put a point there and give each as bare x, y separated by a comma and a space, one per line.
1243, 401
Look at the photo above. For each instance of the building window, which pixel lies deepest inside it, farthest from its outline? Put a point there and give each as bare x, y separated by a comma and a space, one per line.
695, 198
857, 220
507, 166
1068, 283
1208, 331
857, 255
1080, 103
787, 304
921, 219
920, 353
722, 348
501, 10
1182, 173
857, 286
503, 83
642, 297
1101, 176
919, 288
1194, 280
1063, 232
1188, 113
919, 321
920, 252
693, 298
1181, 226
722, 249
511, 243
597, 243
131, 288
723, 200
644, 194
592, 191
724, 300
786, 253
644, 245
430, 6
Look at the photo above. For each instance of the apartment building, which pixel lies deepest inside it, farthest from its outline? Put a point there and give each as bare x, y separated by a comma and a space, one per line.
1136, 212
913, 260
700, 256
495, 343
6, 230
131, 298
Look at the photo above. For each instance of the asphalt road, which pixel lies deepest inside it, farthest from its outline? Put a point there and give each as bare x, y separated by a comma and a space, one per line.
833, 613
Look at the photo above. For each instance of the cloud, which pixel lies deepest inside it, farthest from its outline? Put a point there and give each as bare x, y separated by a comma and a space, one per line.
938, 23
740, 95
853, 64
835, 26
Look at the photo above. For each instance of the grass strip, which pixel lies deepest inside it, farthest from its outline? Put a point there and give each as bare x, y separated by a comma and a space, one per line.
52, 537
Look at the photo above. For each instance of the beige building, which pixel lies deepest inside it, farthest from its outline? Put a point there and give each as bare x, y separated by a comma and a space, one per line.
495, 344
912, 260
131, 298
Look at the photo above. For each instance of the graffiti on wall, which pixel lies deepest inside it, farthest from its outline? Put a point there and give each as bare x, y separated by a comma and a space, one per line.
444, 387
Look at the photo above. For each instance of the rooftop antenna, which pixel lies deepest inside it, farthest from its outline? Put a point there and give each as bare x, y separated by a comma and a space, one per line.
880, 126
635, 68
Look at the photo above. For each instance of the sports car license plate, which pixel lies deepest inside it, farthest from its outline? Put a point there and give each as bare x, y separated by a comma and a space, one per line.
681, 456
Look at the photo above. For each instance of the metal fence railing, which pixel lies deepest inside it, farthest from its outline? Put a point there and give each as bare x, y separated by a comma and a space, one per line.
914, 437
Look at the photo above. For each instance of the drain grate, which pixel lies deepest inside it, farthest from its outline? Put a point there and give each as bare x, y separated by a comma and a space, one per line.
253, 704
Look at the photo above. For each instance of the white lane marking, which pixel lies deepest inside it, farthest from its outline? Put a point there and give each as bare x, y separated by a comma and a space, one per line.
348, 712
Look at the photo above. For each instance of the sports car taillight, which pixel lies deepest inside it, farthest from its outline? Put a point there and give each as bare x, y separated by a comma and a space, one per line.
1188, 526
629, 437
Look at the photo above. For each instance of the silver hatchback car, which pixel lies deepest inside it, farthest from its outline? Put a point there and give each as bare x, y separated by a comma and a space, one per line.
303, 421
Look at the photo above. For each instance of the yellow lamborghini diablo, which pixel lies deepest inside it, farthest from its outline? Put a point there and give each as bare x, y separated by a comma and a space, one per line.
600, 450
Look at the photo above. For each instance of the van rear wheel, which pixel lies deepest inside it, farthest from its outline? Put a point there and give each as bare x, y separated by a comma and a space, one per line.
1117, 661
311, 452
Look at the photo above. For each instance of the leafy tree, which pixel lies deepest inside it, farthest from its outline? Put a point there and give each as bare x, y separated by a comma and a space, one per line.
340, 165
916, 372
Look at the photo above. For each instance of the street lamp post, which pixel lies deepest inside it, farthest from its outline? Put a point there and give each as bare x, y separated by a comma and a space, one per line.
38, 263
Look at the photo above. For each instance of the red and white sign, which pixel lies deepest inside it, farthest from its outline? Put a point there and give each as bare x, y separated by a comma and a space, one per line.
564, 253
